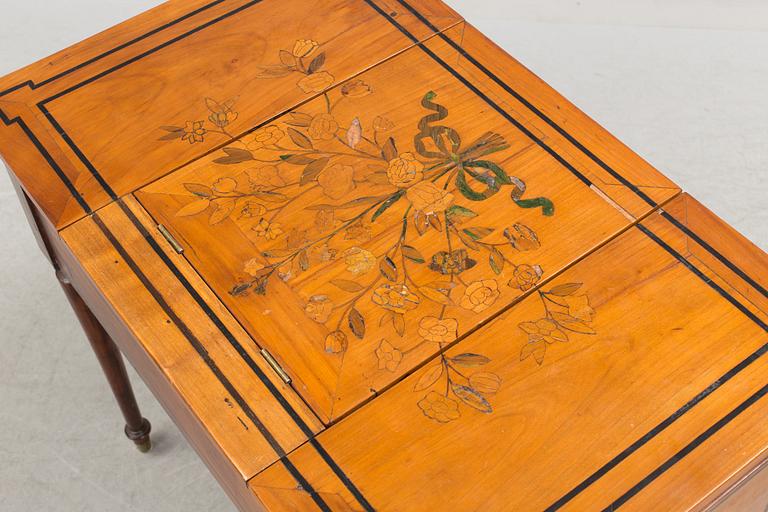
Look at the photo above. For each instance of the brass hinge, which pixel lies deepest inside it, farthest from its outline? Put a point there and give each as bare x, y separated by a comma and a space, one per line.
276, 366
171, 240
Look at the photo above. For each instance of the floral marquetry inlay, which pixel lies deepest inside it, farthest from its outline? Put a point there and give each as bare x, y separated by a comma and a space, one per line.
566, 313
368, 201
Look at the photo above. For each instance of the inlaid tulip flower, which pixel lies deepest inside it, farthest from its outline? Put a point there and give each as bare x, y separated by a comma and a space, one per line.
304, 48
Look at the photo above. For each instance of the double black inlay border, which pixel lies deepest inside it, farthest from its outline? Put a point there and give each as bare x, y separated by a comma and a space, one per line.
199, 347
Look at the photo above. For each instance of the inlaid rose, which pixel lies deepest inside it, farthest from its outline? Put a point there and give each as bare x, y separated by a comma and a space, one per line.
525, 277
405, 170
395, 297
323, 127
438, 330
480, 295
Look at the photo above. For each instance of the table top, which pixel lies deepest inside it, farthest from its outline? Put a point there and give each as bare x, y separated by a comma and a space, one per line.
356, 236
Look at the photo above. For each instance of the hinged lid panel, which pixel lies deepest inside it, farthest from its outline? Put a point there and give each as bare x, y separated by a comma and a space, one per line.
370, 227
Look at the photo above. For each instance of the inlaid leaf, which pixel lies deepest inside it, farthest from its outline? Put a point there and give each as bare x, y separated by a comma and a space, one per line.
563, 290
313, 169
287, 58
270, 196
300, 139
477, 232
298, 119
297, 159
386, 204
224, 209
571, 323
388, 268
389, 150
434, 221
213, 105
436, 295
472, 398
347, 286
528, 327
468, 241
194, 208
496, 260
469, 359
303, 260
385, 317
277, 71
429, 377
421, 222
174, 132
356, 323
354, 133
412, 254
234, 156
536, 348
558, 335
316, 63
445, 286
398, 321
199, 189
456, 212
240, 289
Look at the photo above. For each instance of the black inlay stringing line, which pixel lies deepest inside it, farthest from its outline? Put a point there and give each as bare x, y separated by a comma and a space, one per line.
701, 438
84, 159
714, 252
754, 356
32, 85
483, 96
48, 158
306, 430
624, 181
205, 356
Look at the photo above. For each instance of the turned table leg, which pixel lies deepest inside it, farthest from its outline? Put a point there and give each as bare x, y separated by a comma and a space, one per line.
136, 426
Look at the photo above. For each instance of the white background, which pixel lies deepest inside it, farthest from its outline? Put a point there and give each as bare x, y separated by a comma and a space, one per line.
682, 82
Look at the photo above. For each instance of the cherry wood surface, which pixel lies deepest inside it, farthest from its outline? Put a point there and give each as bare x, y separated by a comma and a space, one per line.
96, 118
368, 261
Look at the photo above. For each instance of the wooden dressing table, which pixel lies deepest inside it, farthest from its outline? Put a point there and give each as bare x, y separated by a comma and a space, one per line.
368, 261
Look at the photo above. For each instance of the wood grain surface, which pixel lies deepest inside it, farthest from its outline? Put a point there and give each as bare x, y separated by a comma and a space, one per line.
368, 261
